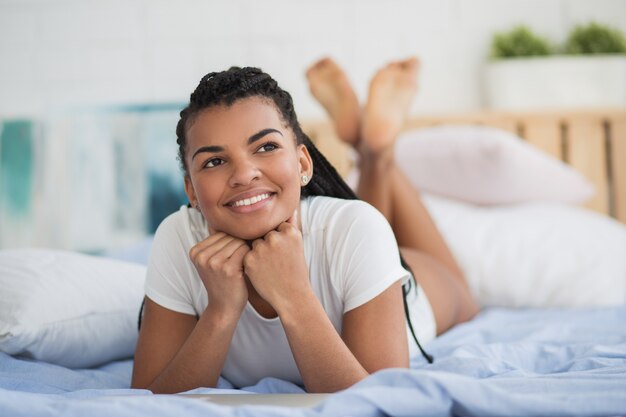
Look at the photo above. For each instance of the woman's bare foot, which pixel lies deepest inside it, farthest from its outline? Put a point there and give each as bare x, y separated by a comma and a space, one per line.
390, 94
330, 86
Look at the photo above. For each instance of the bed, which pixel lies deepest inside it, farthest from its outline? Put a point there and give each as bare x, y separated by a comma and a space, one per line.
550, 339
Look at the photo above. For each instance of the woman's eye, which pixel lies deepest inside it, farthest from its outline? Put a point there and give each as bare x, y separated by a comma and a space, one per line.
268, 147
211, 163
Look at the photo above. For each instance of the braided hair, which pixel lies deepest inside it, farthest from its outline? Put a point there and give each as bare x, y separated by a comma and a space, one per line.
225, 88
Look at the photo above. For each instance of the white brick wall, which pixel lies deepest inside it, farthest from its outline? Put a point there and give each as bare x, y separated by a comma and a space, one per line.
57, 53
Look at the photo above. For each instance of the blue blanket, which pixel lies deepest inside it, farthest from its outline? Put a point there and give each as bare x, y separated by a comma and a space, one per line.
503, 363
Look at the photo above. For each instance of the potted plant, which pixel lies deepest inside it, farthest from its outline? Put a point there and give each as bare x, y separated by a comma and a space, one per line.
526, 71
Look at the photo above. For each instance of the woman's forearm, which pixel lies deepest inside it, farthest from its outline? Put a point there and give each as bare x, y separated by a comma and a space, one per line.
200, 360
323, 359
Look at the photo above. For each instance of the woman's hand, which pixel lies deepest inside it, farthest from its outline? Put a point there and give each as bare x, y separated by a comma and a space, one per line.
219, 261
276, 266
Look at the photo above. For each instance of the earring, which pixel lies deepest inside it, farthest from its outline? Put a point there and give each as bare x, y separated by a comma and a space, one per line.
305, 179
197, 206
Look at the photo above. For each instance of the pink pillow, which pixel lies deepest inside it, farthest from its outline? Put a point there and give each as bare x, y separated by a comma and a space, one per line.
485, 166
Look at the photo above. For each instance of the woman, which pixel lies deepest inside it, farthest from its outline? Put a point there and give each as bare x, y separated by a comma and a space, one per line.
275, 269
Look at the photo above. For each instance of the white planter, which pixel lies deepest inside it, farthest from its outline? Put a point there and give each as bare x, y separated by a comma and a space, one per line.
556, 82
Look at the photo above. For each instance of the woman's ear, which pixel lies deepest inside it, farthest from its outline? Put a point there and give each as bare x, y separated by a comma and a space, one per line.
189, 190
305, 161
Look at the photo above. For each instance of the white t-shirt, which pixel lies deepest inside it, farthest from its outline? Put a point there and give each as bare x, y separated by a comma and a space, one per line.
352, 256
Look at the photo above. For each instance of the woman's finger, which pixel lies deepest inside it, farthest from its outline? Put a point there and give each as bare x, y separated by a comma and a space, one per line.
294, 220
211, 245
239, 253
228, 251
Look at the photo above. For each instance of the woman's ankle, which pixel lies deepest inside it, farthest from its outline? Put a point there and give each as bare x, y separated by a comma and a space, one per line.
381, 160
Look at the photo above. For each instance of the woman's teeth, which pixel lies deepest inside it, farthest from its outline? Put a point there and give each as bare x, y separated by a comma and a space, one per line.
250, 201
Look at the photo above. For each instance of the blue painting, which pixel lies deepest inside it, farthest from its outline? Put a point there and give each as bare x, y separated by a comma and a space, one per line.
92, 180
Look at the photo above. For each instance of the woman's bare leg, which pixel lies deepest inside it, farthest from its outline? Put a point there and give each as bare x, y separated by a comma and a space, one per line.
331, 87
384, 186
391, 92
390, 95
414, 227
449, 297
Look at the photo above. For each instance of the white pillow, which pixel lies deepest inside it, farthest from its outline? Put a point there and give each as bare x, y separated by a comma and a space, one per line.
67, 308
485, 166
537, 254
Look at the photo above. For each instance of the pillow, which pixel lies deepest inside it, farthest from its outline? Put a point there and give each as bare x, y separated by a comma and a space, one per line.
66, 308
536, 254
485, 166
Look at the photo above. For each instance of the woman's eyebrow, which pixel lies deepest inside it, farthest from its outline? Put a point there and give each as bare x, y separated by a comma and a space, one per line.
262, 133
213, 149
251, 139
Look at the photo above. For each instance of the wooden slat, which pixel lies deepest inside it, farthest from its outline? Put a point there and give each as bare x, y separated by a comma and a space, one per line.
586, 152
508, 124
544, 133
618, 166
323, 135
417, 123
505, 123
310, 129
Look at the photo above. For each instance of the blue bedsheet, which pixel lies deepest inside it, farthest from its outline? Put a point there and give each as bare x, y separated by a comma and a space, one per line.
503, 363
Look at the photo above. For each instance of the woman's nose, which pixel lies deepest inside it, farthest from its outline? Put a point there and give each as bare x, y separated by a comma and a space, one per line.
243, 172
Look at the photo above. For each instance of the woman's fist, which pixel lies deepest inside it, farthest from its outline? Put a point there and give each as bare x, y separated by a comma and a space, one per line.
276, 266
219, 262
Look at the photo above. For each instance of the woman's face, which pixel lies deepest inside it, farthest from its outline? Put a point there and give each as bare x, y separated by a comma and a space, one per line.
244, 167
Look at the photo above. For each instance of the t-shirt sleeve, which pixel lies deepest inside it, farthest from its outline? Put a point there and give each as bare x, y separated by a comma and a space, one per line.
169, 267
366, 259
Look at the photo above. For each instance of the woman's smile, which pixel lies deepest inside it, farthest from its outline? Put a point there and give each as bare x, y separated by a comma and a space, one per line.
252, 203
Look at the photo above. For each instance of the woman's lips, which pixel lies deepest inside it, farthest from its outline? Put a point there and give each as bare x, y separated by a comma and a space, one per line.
247, 205
252, 200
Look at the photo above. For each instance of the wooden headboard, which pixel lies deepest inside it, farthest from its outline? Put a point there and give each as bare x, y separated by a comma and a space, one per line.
591, 141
